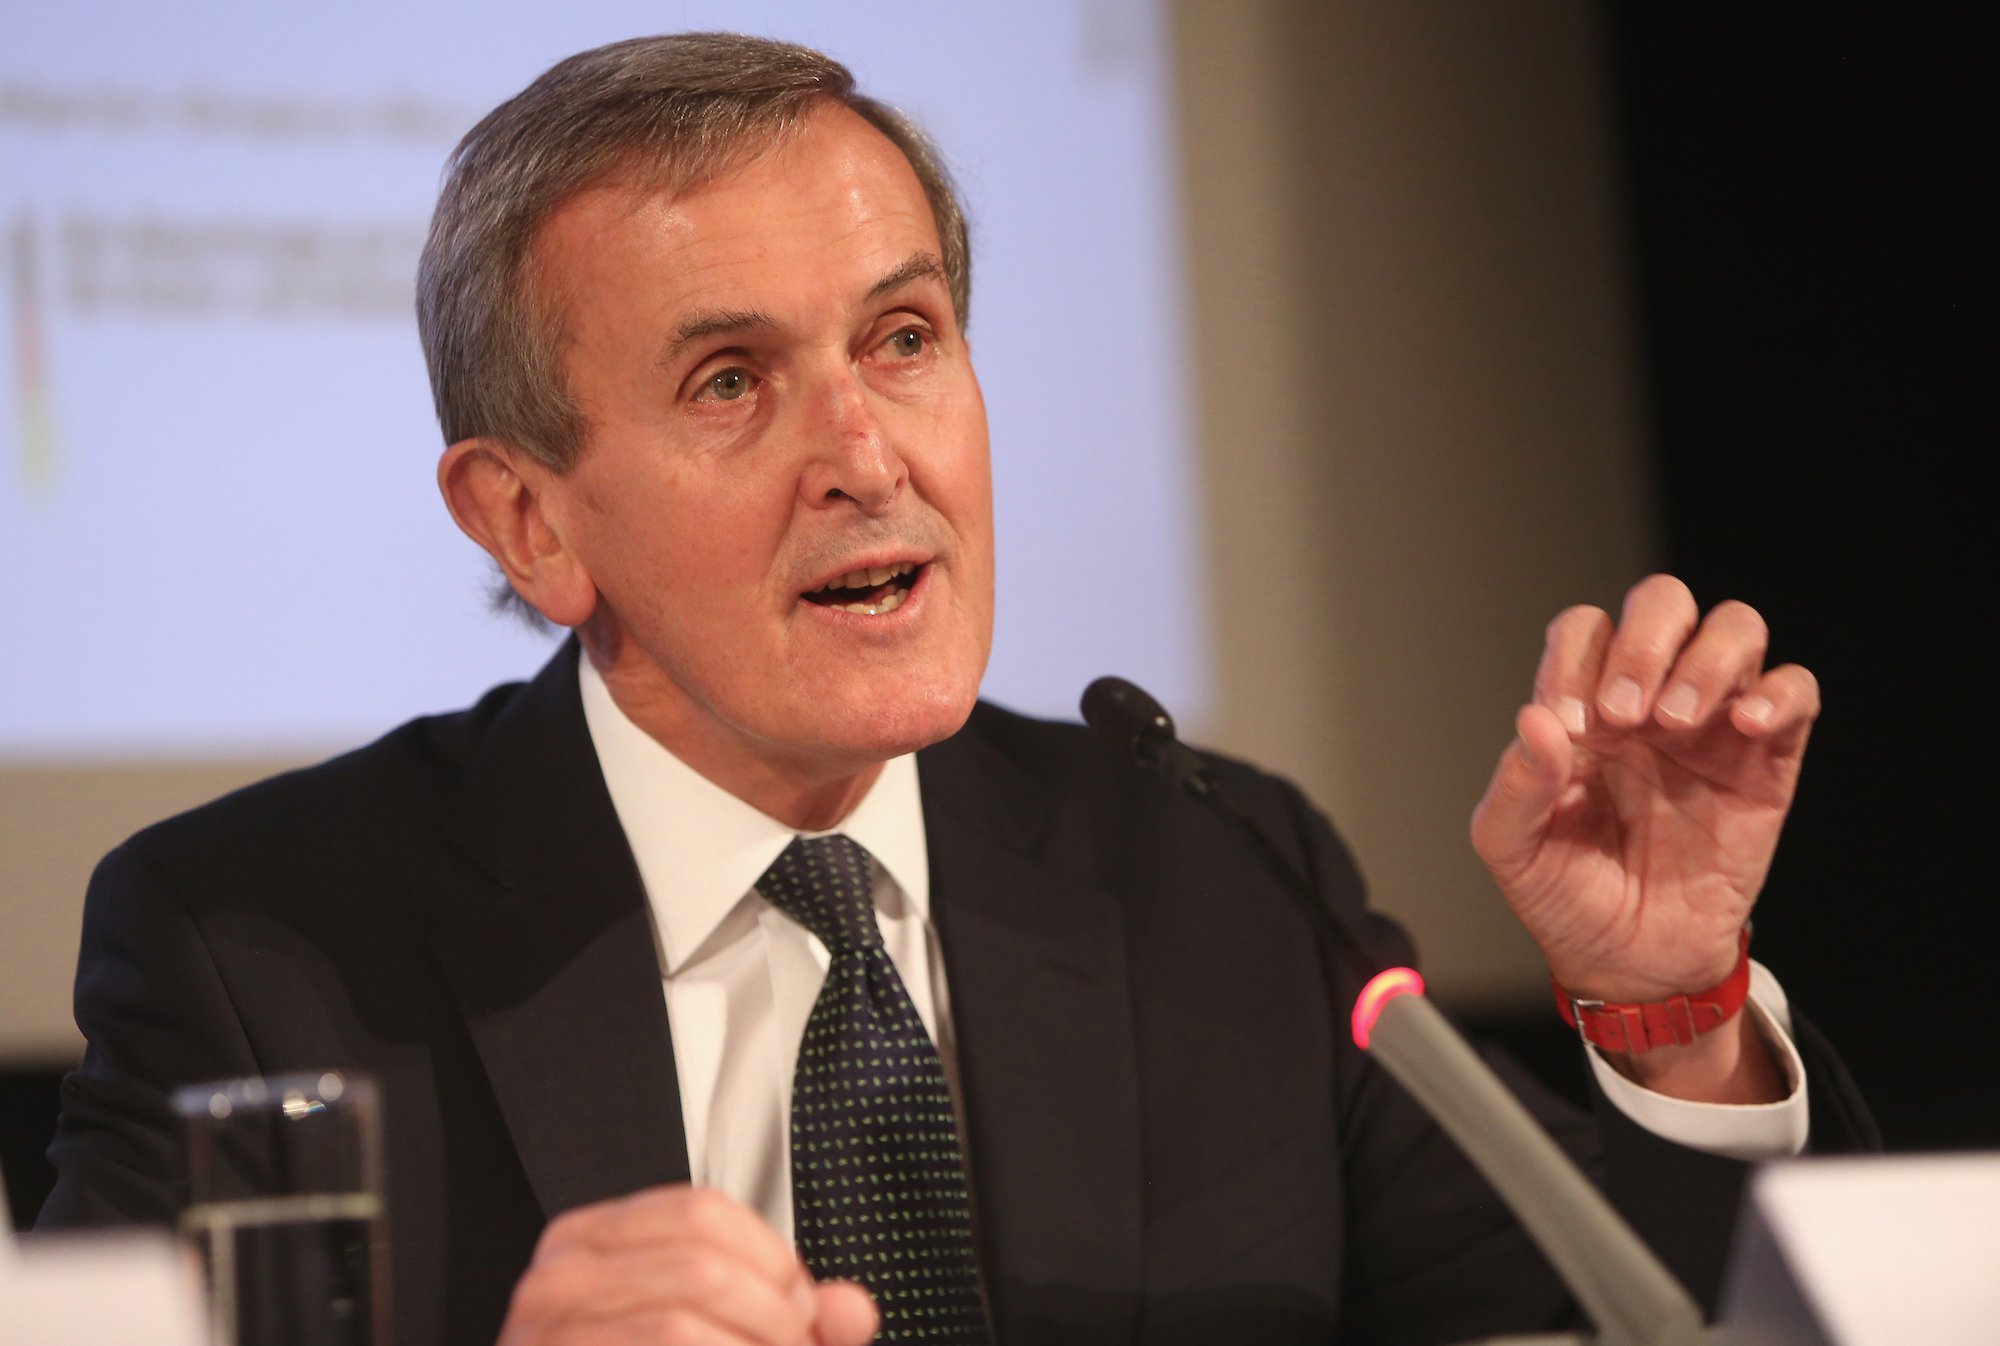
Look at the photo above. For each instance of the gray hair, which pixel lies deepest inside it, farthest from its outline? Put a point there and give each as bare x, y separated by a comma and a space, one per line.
670, 111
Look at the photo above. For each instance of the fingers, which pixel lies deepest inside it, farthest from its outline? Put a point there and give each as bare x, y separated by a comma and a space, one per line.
1664, 664
1724, 656
1658, 618
1527, 786
679, 1212
670, 1264
1783, 701
1572, 658
693, 1280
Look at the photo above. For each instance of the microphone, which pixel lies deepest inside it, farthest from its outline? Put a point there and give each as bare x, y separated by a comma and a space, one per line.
1130, 720
1633, 1299
1127, 718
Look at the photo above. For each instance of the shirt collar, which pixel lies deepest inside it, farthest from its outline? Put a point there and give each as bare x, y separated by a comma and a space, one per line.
700, 850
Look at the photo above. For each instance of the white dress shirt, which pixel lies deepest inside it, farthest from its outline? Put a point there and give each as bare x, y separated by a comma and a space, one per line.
740, 977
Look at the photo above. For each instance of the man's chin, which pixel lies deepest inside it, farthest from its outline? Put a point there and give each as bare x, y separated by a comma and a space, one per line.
884, 728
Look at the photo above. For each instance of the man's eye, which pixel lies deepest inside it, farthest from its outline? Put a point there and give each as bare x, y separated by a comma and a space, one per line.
907, 342
730, 384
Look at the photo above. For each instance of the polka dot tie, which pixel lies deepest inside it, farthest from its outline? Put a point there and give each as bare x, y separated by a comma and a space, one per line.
878, 1188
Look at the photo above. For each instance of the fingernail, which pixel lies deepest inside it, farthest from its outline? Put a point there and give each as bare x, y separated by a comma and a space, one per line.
1621, 700
1526, 751
1755, 709
1569, 710
1679, 702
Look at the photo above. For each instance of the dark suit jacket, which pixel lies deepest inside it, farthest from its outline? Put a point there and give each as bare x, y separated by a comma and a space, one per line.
1170, 1138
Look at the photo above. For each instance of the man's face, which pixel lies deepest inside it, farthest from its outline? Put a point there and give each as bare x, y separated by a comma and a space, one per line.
779, 402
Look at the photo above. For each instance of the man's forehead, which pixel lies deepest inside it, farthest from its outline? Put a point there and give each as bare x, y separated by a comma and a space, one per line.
832, 150
811, 225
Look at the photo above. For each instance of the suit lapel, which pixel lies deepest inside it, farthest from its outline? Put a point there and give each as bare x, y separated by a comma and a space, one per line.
1036, 966
556, 971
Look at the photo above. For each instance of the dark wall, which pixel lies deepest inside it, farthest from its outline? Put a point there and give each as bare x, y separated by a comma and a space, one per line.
1812, 254
28, 1104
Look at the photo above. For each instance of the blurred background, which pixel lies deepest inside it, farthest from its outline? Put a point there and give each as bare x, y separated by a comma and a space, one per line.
1330, 349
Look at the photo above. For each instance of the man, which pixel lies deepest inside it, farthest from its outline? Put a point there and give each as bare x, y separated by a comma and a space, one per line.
695, 317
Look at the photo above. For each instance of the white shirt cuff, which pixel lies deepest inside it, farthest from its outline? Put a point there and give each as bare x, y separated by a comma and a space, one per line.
1747, 1131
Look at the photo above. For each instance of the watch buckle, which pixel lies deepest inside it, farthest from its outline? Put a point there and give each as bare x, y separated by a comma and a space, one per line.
1577, 1006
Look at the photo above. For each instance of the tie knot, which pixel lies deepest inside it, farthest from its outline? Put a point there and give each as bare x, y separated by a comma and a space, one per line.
824, 884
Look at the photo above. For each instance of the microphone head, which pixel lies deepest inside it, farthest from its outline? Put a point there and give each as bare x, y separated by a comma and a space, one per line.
1127, 718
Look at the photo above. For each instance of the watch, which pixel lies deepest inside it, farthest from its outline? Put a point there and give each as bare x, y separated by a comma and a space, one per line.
1618, 1026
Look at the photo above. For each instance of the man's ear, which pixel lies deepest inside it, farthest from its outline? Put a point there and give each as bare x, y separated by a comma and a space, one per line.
499, 497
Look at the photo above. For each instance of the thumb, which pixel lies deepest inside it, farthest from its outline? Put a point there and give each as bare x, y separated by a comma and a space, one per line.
844, 1314
1513, 816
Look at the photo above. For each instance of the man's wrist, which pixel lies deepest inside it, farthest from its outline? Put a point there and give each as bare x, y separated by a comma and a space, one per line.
1731, 1065
1753, 1132
1677, 1020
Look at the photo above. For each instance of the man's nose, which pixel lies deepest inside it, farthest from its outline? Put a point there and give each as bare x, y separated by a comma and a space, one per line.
852, 458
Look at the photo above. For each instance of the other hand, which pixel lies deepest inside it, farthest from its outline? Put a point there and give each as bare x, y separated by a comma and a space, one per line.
677, 1266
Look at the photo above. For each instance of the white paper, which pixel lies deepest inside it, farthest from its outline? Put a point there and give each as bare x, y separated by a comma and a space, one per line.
93, 1289
1893, 1251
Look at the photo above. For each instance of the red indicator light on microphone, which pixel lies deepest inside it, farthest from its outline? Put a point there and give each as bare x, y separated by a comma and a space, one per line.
1381, 989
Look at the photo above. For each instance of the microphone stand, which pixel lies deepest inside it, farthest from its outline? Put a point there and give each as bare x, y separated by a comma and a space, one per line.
1631, 1297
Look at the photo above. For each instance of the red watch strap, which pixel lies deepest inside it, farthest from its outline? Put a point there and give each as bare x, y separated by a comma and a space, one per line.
1619, 1027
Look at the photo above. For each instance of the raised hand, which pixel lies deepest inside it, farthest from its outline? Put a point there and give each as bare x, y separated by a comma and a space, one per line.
1632, 820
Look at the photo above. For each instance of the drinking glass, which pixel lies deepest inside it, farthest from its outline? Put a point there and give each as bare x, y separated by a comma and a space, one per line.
285, 1204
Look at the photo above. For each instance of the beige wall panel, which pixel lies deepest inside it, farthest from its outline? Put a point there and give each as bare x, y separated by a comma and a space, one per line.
1418, 410
56, 822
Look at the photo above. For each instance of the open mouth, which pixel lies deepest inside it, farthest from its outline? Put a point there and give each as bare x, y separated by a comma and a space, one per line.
871, 592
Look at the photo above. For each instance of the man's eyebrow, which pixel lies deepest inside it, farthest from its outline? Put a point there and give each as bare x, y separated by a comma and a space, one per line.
697, 326
718, 322
918, 266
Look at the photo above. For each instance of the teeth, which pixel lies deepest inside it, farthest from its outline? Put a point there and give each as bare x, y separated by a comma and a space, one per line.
868, 579
887, 605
